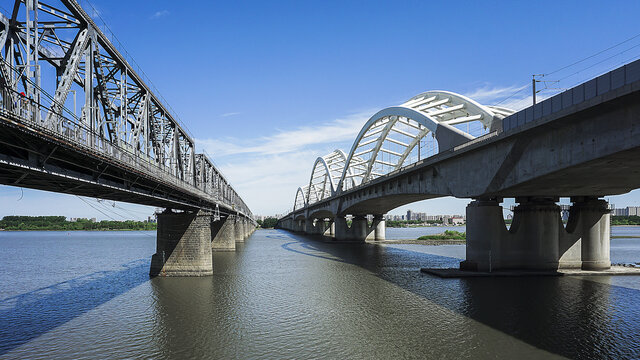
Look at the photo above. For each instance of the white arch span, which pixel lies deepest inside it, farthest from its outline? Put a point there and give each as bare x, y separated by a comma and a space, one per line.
389, 139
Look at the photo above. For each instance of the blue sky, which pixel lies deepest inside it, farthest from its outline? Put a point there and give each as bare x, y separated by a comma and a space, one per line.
268, 86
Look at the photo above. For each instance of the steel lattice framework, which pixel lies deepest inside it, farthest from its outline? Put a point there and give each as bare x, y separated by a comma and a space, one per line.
51, 49
393, 138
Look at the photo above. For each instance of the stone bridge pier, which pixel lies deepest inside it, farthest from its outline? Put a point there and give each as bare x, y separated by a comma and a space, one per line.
186, 241
537, 238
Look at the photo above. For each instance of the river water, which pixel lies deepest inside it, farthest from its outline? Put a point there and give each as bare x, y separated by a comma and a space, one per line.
281, 295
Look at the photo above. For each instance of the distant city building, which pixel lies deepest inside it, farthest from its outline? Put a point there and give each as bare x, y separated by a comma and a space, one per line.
628, 211
564, 212
423, 217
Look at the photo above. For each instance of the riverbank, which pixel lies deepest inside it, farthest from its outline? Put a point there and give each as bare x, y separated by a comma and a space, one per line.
72, 230
419, 242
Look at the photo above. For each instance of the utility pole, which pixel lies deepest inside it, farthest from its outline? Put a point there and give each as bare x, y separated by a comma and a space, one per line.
545, 83
533, 86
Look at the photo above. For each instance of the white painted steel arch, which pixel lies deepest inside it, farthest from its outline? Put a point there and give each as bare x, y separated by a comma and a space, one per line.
388, 140
300, 200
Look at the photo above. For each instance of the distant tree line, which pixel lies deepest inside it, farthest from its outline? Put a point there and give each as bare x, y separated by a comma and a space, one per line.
405, 223
268, 223
447, 235
61, 223
625, 220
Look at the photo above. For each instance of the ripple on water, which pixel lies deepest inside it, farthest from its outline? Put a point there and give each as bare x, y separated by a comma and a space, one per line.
287, 296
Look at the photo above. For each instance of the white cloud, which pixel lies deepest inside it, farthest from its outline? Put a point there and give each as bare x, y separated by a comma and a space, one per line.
488, 95
159, 14
286, 141
512, 97
266, 171
229, 114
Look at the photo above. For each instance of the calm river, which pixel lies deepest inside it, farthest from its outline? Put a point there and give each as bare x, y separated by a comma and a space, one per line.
87, 295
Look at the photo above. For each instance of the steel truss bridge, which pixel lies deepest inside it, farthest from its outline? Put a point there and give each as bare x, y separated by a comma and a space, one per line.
123, 144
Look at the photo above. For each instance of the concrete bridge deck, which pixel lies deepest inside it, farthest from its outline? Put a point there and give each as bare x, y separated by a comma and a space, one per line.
582, 143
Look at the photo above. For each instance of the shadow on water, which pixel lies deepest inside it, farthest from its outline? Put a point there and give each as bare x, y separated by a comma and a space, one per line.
27, 316
576, 317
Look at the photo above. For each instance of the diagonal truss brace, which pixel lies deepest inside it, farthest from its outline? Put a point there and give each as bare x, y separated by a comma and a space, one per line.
70, 72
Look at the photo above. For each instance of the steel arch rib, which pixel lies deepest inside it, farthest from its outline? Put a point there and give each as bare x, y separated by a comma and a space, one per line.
471, 105
399, 111
326, 168
344, 158
295, 202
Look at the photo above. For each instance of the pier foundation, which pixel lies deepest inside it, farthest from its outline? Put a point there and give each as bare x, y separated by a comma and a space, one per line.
183, 246
537, 238
223, 234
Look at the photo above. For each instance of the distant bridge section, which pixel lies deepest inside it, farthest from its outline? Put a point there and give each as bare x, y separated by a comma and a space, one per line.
77, 118
582, 143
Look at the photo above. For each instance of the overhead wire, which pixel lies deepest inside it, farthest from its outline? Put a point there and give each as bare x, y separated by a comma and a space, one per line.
594, 55
528, 85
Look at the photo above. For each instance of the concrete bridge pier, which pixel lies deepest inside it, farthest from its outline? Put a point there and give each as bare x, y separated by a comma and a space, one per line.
223, 234
359, 227
357, 232
330, 228
314, 226
247, 229
309, 227
239, 229
590, 218
537, 238
183, 246
379, 227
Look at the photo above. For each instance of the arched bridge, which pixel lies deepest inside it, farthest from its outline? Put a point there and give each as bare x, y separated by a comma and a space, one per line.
582, 144
76, 117
394, 137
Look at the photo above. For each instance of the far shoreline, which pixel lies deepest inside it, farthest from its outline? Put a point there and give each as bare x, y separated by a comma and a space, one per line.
74, 230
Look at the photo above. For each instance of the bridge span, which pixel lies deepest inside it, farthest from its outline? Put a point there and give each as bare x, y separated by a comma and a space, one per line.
124, 144
583, 143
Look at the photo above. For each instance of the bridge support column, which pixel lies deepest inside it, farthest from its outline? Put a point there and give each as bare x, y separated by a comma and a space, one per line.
359, 226
357, 232
591, 218
247, 229
183, 245
323, 227
485, 231
223, 234
380, 227
537, 239
309, 228
331, 229
341, 228
239, 229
